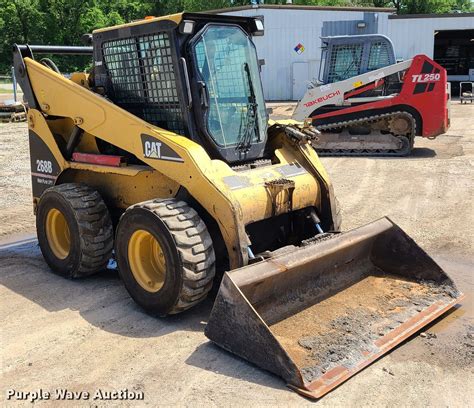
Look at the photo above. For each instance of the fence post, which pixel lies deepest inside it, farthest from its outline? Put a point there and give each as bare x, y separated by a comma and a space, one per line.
14, 84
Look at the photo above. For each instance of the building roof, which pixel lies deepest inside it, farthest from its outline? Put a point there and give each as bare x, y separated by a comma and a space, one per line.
403, 16
300, 7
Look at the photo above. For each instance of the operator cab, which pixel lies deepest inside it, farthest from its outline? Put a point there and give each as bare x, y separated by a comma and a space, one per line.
193, 74
346, 56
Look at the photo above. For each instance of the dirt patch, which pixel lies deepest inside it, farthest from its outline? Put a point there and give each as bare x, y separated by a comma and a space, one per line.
344, 329
282, 111
460, 354
463, 352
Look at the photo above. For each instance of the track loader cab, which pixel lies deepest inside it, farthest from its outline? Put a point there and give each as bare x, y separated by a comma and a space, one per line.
346, 56
164, 153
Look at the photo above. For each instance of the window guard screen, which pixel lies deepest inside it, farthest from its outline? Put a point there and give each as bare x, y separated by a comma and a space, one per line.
345, 62
379, 56
143, 80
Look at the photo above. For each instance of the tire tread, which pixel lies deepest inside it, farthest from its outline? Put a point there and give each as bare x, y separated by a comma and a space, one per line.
95, 227
194, 246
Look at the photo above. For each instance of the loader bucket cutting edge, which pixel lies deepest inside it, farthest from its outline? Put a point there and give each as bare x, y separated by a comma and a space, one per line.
318, 314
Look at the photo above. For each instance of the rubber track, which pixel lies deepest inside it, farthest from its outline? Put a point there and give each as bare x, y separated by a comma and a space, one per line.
364, 152
194, 245
95, 227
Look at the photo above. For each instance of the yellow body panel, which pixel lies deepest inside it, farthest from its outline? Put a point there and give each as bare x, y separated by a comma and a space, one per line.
120, 186
80, 78
122, 189
38, 124
173, 17
64, 127
234, 199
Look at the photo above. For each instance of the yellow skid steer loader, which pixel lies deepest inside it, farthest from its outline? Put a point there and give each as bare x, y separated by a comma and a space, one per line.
164, 153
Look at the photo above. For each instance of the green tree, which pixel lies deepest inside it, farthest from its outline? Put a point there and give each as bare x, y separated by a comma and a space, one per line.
62, 22
22, 22
463, 5
426, 6
198, 5
128, 10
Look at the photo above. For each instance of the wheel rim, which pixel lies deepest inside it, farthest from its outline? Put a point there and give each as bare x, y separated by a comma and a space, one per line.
147, 261
58, 234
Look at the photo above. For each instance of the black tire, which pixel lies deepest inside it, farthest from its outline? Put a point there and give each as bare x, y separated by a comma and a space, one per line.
187, 248
89, 226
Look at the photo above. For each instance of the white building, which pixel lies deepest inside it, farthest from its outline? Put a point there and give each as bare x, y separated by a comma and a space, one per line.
291, 46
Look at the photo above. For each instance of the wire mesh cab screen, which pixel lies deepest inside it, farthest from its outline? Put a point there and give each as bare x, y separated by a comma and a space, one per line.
141, 72
348, 56
345, 62
379, 56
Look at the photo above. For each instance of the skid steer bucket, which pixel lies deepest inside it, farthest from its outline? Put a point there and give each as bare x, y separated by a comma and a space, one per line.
318, 314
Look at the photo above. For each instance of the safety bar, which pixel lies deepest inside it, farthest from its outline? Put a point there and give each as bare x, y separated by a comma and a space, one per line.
57, 49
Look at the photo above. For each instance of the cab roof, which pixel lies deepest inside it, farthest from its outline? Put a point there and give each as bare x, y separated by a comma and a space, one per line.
178, 17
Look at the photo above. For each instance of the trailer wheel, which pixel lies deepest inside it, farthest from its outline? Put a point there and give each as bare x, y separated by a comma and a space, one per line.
74, 230
165, 256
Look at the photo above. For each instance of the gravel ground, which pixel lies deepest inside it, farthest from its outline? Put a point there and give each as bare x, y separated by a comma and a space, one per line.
16, 215
88, 335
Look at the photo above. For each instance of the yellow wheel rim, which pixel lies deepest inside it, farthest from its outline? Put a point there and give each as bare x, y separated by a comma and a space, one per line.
147, 261
57, 233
